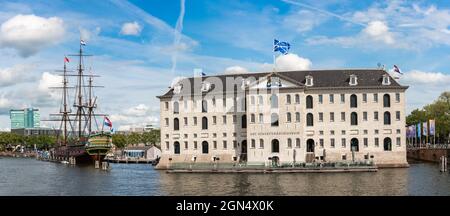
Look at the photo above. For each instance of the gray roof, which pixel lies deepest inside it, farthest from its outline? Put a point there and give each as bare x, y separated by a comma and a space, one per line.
367, 78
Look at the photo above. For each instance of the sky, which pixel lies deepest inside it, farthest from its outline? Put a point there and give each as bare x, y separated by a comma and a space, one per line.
140, 46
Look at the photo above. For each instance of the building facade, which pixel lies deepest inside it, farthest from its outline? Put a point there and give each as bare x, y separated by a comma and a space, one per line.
284, 118
24, 118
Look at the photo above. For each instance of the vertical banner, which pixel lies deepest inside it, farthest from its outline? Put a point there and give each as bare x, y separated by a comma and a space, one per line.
425, 128
432, 127
419, 134
408, 133
413, 131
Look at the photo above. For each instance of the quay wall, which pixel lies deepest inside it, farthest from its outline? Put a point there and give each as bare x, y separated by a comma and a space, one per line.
430, 155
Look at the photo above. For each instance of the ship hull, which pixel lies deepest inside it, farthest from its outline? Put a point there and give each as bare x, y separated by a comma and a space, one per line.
97, 153
78, 152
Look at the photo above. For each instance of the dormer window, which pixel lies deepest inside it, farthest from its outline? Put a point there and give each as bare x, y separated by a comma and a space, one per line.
245, 83
386, 80
309, 81
177, 89
353, 80
273, 81
206, 86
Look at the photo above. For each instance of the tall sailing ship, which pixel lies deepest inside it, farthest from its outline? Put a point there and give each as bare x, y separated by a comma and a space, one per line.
81, 138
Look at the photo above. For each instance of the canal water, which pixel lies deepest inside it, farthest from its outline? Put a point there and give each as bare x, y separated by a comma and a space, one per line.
31, 177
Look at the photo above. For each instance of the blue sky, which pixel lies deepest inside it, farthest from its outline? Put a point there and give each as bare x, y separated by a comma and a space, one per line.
133, 44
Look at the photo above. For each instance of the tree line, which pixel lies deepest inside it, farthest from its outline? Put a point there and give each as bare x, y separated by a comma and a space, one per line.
438, 110
49, 141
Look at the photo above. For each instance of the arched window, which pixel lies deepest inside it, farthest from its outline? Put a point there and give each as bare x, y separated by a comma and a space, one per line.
289, 143
244, 121
309, 102
260, 100
275, 146
176, 107
387, 144
176, 148
288, 117
354, 145
205, 123
297, 99
274, 101
354, 118
261, 118
309, 119
252, 100
386, 100
205, 147
204, 106
297, 117
353, 101
297, 143
310, 145
274, 119
261, 143
176, 124
288, 99
387, 118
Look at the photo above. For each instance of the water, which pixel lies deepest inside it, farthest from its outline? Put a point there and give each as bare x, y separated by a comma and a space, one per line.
32, 177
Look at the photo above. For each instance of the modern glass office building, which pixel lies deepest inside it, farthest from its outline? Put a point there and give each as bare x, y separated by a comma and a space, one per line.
25, 118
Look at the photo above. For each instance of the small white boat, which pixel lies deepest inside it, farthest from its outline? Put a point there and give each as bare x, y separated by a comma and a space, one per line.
64, 162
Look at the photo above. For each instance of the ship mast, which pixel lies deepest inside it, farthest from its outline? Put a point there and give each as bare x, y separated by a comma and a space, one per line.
65, 112
79, 87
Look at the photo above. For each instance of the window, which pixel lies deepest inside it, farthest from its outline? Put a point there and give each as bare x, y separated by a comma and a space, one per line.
387, 144
321, 143
288, 99
386, 80
375, 97
386, 100
309, 102
343, 132
353, 101
214, 120
253, 144
399, 131
166, 105
195, 120
331, 116
364, 98
354, 118
289, 143
195, 144
274, 101
214, 101
261, 118
214, 144
332, 142
214, 135
309, 119
343, 143
397, 115
167, 145
342, 116
375, 116
176, 124
309, 81
224, 143
288, 117
397, 97
297, 117
366, 142
365, 132
260, 100
176, 148
204, 123
297, 99
344, 157
320, 117
224, 119
205, 147
252, 118
398, 141
275, 146
261, 143
353, 80
342, 98
186, 146
176, 108
297, 143
274, 120
331, 132
320, 99
195, 135
234, 119
244, 121
377, 142
185, 121
364, 116
252, 100
185, 136
321, 132
166, 120
387, 118
234, 144
376, 131
331, 98
224, 134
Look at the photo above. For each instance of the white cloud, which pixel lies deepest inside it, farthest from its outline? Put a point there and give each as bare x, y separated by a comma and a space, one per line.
415, 77
292, 62
304, 20
137, 116
131, 28
88, 35
47, 81
29, 33
235, 70
15, 75
5, 104
378, 30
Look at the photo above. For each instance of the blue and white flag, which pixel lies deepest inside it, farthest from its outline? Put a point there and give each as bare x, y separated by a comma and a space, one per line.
432, 127
82, 42
280, 46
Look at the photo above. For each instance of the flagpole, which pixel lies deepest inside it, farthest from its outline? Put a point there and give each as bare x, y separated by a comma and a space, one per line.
273, 54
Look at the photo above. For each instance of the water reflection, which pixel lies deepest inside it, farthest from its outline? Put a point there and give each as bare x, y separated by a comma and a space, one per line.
31, 177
